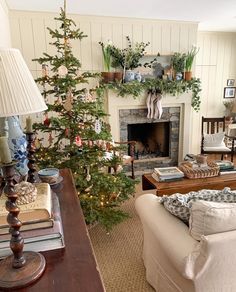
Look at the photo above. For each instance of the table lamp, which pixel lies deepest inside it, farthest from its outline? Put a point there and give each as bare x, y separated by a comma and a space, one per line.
19, 95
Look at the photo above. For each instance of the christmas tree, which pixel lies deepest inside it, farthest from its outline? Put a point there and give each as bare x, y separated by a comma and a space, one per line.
75, 134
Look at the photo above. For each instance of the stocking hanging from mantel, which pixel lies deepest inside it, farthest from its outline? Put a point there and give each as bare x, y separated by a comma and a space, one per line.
154, 105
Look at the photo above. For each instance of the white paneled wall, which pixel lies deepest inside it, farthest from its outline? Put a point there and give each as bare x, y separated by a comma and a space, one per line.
215, 63
5, 39
29, 34
216, 60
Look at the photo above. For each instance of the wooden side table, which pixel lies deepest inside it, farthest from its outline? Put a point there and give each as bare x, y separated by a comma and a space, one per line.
187, 185
73, 269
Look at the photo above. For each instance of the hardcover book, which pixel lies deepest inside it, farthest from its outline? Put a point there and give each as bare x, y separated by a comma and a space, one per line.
38, 239
39, 210
168, 179
170, 172
225, 164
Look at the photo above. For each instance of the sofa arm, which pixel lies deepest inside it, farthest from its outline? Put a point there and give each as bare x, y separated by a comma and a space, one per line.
212, 265
169, 231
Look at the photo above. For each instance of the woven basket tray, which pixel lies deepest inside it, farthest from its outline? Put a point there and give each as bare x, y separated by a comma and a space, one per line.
212, 169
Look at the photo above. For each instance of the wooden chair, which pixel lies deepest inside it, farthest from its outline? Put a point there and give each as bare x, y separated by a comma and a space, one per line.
131, 153
129, 157
213, 126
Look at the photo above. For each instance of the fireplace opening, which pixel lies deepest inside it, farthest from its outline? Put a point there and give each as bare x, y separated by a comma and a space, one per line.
152, 139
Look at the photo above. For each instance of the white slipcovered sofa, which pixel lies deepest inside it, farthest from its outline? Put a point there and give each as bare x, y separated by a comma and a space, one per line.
175, 261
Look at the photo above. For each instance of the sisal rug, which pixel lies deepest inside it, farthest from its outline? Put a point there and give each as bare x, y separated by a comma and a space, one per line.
119, 253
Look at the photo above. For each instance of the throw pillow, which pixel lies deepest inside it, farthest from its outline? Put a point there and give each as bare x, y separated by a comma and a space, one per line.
214, 140
211, 217
179, 204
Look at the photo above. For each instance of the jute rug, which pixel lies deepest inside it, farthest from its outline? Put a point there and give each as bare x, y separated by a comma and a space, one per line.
119, 253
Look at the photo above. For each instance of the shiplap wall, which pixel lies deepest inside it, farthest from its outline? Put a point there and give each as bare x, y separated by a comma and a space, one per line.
215, 63
5, 39
30, 35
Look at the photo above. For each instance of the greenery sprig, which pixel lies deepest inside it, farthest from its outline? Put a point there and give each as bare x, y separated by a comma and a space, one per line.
171, 87
128, 58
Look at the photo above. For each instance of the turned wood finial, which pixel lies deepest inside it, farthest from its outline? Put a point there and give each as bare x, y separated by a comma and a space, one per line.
16, 242
31, 158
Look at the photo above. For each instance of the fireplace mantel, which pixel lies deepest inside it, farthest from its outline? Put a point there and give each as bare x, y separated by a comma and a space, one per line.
115, 103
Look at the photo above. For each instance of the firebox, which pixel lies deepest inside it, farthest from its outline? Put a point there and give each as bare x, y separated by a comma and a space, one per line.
152, 139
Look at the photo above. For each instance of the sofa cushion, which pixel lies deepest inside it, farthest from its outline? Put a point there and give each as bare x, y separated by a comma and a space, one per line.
179, 204
211, 217
214, 140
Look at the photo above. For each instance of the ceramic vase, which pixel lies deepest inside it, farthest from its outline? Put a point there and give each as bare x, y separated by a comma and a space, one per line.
17, 144
129, 76
138, 76
178, 76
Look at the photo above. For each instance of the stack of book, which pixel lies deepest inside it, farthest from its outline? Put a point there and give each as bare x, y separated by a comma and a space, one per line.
226, 166
42, 227
165, 174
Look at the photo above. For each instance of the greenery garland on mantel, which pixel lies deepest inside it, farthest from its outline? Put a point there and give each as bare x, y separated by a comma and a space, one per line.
172, 87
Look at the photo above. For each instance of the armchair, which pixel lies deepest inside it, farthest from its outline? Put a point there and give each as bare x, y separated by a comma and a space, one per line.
213, 137
175, 261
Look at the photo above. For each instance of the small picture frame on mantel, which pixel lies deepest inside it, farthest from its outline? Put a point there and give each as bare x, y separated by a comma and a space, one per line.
229, 92
230, 82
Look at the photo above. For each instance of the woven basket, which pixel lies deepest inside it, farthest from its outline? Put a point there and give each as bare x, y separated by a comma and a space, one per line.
212, 169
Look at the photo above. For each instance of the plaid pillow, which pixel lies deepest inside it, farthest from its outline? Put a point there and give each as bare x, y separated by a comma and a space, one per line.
179, 204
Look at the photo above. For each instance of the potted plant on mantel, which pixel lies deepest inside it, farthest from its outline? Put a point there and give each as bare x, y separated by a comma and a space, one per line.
189, 62
128, 59
107, 75
178, 64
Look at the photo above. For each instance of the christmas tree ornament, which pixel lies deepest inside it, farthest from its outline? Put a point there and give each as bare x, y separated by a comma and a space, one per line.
45, 71
68, 103
88, 189
90, 143
88, 96
37, 143
78, 141
62, 71
67, 132
97, 126
46, 121
88, 176
50, 139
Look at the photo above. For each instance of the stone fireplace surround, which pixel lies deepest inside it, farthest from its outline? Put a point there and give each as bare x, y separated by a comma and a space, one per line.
177, 110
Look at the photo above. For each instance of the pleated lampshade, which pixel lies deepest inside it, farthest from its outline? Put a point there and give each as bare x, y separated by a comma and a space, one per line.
19, 94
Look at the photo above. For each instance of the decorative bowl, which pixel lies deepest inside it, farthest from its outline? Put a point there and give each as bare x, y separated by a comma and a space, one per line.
49, 175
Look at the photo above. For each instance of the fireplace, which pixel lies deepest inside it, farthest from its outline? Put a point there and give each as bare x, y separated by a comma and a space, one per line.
152, 139
157, 139
124, 111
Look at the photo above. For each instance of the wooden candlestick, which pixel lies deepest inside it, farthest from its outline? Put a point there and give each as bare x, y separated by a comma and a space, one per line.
30, 156
20, 269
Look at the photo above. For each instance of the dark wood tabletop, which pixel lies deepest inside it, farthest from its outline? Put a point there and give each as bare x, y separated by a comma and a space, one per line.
187, 185
73, 269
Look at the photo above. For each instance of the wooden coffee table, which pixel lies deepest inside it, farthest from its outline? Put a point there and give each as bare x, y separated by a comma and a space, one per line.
187, 185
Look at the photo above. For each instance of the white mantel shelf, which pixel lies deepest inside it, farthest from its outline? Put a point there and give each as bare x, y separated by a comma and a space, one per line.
115, 103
